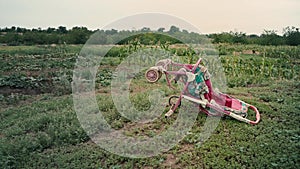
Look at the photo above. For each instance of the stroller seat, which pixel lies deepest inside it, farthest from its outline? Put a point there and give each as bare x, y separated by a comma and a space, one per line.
203, 86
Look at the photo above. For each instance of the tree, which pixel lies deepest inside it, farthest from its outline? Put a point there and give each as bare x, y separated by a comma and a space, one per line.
238, 37
111, 32
13, 28
252, 39
78, 35
98, 37
145, 29
50, 30
223, 37
173, 29
62, 30
160, 29
21, 30
185, 31
292, 36
269, 37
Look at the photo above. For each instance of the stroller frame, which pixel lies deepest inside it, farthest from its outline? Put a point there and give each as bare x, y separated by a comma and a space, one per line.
154, 73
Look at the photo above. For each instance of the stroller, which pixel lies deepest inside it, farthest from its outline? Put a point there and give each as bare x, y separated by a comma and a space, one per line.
198, 89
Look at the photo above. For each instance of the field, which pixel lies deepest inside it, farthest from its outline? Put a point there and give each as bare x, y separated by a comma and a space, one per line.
39, 127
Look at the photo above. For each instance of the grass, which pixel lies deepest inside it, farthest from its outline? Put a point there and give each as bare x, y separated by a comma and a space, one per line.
42, 131
47, 134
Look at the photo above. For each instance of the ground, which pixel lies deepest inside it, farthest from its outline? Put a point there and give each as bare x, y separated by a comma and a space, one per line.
41, 130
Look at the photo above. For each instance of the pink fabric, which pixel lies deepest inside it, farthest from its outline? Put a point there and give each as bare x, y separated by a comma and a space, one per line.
235, 104
189, 66
221, 99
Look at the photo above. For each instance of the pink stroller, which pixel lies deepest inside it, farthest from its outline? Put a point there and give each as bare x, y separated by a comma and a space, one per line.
198, 89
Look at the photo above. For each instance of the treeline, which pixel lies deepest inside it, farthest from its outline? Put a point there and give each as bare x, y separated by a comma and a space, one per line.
291, 36
60, 35
79, 35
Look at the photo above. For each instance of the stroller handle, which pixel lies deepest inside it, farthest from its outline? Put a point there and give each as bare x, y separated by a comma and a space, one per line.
196, 65
240, 118
257, 115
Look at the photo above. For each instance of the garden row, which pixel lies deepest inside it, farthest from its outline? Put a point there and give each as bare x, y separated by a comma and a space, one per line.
44, 71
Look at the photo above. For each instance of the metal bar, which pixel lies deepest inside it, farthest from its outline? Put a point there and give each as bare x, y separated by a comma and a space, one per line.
194, 100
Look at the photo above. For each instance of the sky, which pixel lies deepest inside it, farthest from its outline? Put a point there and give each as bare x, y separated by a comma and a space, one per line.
209, 16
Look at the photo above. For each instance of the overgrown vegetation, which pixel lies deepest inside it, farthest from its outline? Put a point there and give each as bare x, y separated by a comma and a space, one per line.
40, 129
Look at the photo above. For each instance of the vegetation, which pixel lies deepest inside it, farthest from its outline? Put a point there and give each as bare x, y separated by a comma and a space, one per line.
291, 36
79, 35
39, 127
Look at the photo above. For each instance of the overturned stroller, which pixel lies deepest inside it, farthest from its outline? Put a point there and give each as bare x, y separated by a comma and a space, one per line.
198, 89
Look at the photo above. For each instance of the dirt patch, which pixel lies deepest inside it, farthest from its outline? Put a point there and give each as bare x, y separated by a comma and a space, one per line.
6, 90
186, 147
103, 91
170, 161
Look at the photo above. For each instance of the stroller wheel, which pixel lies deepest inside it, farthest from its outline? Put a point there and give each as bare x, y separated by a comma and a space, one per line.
160, 74
152, 75
173, 100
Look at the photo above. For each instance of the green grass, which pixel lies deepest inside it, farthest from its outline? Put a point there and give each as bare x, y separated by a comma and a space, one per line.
42, 131
47, 134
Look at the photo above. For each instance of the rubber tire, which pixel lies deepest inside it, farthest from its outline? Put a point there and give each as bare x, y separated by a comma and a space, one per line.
156, 73
171, 103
